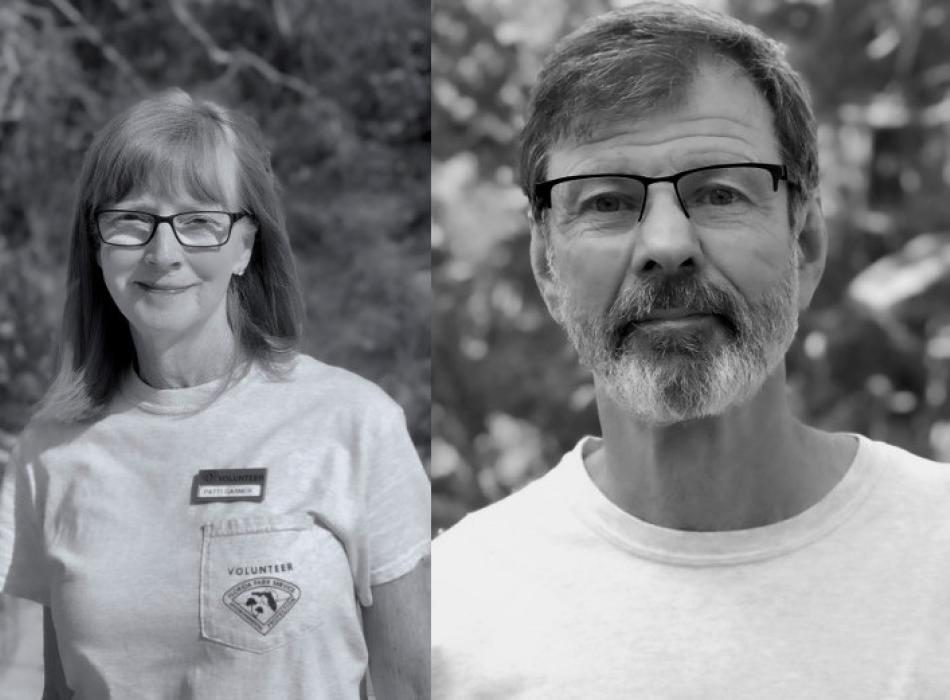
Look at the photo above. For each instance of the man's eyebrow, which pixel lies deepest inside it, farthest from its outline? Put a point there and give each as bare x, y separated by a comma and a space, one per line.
689, 161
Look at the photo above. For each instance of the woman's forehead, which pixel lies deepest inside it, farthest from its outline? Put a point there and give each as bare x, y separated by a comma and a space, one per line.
183, 177
158, 201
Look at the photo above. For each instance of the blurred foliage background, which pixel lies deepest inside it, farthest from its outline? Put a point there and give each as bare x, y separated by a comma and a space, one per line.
341, 91
873, 352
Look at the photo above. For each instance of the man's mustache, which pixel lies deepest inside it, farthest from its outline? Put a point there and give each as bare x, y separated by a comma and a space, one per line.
683, 294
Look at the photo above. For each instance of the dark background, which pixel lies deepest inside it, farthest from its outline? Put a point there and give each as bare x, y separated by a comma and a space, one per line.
341, 91
873, 352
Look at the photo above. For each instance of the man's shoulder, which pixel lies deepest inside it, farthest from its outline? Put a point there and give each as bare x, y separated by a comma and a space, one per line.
484, 524
530, 514
901, 464
909, 485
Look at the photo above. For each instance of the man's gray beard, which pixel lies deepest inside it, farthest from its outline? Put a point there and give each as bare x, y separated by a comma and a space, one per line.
678, 377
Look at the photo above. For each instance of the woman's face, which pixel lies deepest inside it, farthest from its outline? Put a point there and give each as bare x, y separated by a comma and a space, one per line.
167, 292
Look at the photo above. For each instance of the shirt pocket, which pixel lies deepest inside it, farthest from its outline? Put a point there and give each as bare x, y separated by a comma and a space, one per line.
265, 581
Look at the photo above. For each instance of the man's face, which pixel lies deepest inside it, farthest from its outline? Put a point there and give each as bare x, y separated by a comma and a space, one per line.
678, 318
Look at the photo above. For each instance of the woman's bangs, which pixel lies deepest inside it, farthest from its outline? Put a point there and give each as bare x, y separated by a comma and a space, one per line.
171, 169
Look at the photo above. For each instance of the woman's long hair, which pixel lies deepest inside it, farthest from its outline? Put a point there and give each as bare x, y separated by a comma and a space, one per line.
171, 144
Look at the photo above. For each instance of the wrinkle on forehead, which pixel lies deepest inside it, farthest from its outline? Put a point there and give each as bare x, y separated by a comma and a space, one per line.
721, 113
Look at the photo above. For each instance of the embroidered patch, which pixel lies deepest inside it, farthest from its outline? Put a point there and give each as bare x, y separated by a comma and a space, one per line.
262, 602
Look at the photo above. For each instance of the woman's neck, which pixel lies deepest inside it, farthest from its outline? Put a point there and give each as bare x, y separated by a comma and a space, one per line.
176, 364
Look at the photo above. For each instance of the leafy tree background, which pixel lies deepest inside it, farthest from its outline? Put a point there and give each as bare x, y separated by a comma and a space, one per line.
873, 352
341, 90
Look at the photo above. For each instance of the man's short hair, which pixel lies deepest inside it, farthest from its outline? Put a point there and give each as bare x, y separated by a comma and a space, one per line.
638, 59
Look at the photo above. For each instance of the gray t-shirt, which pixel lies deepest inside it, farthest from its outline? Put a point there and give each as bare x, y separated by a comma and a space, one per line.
555, 592
155, 596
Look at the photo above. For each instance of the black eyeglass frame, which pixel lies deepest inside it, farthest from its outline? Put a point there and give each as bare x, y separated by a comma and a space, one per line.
542, 190
234, 217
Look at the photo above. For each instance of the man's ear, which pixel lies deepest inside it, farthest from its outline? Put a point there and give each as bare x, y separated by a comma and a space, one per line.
811, 249
540, 266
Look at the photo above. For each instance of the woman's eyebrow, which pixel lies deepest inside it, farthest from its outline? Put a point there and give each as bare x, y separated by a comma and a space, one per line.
140, 204
137, 203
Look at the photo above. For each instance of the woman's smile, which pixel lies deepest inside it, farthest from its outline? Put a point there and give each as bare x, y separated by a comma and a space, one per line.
163, 289
166, 289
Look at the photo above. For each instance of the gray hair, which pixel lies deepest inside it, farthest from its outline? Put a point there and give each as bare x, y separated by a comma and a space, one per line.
643, 57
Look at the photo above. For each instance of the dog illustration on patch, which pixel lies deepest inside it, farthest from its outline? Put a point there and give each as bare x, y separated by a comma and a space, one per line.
262, 602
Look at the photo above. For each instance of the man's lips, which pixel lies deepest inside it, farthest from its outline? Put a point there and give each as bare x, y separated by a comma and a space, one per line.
661, 316
674, 317
672, 320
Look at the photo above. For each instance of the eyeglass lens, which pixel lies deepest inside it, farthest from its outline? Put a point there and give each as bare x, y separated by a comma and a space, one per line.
711, 197
196, 229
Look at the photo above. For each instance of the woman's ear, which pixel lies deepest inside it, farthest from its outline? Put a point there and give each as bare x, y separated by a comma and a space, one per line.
811, 249
247, 236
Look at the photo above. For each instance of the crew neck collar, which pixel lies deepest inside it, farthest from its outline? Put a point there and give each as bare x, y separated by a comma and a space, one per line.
184, 399
719, 548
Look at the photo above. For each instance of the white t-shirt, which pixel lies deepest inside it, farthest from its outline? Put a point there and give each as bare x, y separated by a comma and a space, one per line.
153, 596
555, 592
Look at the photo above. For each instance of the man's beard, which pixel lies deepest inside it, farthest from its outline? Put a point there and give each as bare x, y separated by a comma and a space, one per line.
665, 376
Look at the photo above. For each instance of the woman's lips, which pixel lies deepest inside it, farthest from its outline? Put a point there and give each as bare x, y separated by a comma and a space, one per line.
163, 288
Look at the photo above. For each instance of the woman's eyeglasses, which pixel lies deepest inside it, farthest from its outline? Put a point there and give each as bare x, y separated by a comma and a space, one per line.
193, 229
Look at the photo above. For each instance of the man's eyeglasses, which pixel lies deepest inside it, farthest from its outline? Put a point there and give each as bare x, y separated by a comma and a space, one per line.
193, 229
715, 195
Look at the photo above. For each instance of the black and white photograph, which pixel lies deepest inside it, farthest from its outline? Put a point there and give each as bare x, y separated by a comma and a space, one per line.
214, 349
691, 349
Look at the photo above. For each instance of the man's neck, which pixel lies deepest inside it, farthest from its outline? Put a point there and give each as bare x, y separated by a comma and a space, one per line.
751, 466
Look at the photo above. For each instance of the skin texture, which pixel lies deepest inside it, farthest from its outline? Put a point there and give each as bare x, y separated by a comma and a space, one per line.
753, 464
397, 629
181, 339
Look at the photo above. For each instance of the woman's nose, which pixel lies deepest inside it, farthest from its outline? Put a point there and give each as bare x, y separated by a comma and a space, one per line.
164, 248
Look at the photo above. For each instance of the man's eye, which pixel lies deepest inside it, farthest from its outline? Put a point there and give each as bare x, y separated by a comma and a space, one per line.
607, 203
720, 196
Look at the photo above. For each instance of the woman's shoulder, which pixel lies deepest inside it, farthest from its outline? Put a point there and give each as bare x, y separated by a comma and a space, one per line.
42, 435
322, 381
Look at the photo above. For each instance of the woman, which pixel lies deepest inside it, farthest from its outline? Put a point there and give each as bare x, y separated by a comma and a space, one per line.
204, 512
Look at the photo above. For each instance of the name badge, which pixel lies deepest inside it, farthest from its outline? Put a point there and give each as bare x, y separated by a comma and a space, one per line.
225, 485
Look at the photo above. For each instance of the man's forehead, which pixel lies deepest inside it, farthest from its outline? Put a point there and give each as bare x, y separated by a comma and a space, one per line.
720, 114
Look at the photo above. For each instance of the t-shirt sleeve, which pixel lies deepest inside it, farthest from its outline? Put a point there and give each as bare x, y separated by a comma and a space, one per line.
397, 501
23, 570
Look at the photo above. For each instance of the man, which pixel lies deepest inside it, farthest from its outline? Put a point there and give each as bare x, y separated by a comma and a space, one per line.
709, 545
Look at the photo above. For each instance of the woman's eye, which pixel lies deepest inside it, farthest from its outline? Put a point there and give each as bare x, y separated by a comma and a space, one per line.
134, 217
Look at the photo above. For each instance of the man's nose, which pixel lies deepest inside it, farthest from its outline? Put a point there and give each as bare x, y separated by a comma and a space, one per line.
666, 241
164, 248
